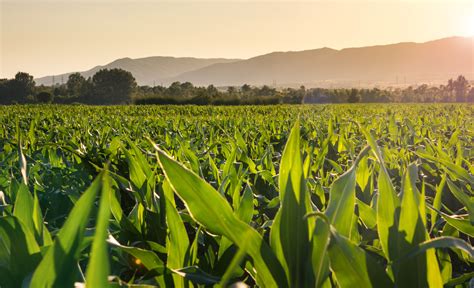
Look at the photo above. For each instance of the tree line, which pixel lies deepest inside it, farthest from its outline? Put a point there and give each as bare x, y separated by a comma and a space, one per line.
114, 86
117, 86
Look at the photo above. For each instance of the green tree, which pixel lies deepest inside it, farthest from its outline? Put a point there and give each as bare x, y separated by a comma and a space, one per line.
470, 97
21, 86
460, 86
231, 90
44, 97
354, 96
114, 86
246, 88
212, 91
75, 85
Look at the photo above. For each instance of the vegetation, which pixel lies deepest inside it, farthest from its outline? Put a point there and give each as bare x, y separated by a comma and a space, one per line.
289, 196
117, 86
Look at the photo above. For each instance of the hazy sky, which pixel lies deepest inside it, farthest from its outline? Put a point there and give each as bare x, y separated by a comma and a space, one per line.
51, 37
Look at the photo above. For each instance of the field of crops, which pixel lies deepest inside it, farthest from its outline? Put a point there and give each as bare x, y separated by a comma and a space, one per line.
276, 196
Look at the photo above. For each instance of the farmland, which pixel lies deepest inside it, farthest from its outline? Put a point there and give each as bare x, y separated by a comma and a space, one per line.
374, 195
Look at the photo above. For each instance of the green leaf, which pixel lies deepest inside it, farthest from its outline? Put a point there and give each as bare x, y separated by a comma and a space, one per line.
146, 258
20, 251
437, 200
196, 275
342, 202
98, 268
320, 239
422, 271
352, 266
439, 242
23, 208
462, 225
27, 210
206, 205
465, 200
388, 206
293, 225
341, 205
453, 168
59, 265
178, 241
367, 214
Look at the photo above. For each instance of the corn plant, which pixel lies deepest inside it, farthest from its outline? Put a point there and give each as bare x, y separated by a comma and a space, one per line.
288, 196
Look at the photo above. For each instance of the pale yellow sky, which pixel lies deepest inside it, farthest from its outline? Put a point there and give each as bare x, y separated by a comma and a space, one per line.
51, 37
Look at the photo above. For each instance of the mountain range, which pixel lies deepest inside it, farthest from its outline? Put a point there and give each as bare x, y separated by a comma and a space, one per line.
396, 64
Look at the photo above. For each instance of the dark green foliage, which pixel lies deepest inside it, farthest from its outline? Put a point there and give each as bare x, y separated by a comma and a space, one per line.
44, 97
353, 96
117, 86
114, 86
354, 196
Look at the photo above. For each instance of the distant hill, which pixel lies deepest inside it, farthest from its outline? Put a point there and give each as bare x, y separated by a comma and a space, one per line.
400, 64
403, 63
146, 71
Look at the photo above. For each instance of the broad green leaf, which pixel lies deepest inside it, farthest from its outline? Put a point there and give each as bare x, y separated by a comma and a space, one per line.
422, 271
143, 257
178, 241
293, 225
340, 211
98, 268
20, 251
196, 275
467, 201
320, 242
353, 267
437, 200
205, 205
462, 225
58, 267
388, 206
367, 214
440, 242
453, 168
23, 209
28, 211
341, 205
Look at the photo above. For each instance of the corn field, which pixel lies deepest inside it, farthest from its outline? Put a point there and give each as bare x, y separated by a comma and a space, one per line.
270, 196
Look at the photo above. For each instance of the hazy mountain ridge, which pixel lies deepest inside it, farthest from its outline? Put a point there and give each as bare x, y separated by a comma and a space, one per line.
433, 61
147, 71
393, 64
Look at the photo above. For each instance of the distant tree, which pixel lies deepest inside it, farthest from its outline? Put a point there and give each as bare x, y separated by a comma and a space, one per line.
4, 91
212, 91
266, 91
460, 86
114, 86
231, 90
187, 89
60, 90
470, 97
187, 86
75, 85
354, 96
175, 89
21, 86
44, 97
246, 88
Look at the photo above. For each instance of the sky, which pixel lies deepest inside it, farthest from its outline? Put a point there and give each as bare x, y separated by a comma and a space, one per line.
53, 37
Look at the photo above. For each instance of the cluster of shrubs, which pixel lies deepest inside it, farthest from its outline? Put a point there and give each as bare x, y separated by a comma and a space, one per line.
186, 93
221, 101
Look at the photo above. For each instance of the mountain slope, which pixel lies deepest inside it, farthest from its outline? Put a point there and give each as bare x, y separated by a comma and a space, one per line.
396, 64
145, 70
431, 62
